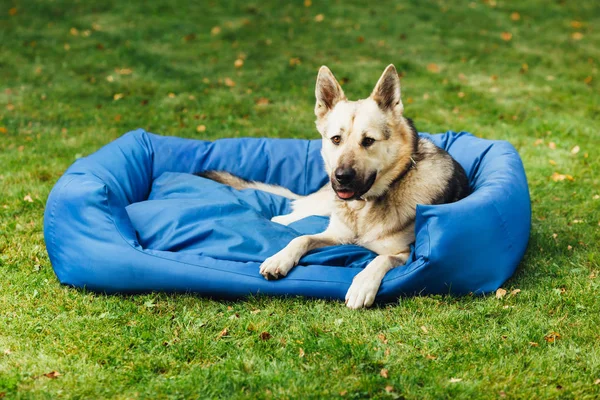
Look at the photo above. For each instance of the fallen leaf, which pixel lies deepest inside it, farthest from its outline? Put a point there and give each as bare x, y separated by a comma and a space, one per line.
343, 392
577, 221
554, 235
265, 336
67, 47
424, 329
382, 337
515, 292
430, 357
123, 71
569, 247
454, 380
229, 82
500, 293
597, 382
118, 96
171, 95
538, 142
506, 36
577, 35
239, 63
28, 198
263, 101
319, 17
201, 128
384, 373
7, 352
433, 68
3, 129
576, 24
118, 117
223, 333
12, 12
110, 78
301, 352
307, 3
556, 177
52, 374
533, 344
215, 30
189, 37
254, 311
550, 78
294, 61
74, 31
588, 79
552, 145
552, 337
515, 16
389, 389
575, 150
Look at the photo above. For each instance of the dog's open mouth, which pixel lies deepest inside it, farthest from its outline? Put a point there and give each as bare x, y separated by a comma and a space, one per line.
353, 192
345, 195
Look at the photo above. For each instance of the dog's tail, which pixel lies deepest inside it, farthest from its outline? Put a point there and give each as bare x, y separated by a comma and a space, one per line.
238, 183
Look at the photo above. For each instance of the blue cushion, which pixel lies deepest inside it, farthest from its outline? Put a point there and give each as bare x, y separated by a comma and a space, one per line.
131, 218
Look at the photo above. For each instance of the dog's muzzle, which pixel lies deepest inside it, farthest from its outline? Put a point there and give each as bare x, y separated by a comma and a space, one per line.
348, 186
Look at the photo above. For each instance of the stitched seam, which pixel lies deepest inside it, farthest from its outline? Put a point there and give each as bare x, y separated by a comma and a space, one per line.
306, 170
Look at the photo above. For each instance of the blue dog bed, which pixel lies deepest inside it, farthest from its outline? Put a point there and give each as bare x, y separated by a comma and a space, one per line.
131, 218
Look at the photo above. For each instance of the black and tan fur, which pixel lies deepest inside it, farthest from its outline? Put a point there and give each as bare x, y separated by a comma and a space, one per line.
379, 171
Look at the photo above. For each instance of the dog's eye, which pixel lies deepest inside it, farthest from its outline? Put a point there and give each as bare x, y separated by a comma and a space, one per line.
367, 142
336, 140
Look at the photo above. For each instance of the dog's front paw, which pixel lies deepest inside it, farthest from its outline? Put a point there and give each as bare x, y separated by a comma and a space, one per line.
363, 290
277, 266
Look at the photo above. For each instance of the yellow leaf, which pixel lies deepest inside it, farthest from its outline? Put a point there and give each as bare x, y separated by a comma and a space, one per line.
229, 82
201, 128
575, 150
552, 145
301, 352
74, 31
552, 162
576, 24
307, 3
28, 198
433, 68
424, 329
223, 333
384, 373
294, 61
552, 337
506, 36
118, 96
52, 375
123, 71
515, 292
263, 101
238, 63
215, 30
533, 344
319, 17
577, 35
500, 293
588, 79
12, 12
389, 389
455, 380
597, 382
171, 95
538, 142
3, 129
515, 16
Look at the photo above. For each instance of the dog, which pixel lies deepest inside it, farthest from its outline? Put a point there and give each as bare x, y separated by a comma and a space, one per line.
379, 170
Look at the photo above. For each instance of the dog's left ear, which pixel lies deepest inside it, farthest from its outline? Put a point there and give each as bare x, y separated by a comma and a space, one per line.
387, 91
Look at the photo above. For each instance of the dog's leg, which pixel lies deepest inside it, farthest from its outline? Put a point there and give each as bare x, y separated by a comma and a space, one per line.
280, 264
365, 285
318, 203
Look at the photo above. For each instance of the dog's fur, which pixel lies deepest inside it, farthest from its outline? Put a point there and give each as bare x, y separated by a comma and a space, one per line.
379, 171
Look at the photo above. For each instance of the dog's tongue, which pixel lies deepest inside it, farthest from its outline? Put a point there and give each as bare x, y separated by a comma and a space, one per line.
345, 195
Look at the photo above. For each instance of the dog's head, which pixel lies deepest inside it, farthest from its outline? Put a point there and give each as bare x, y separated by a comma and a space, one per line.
366, 143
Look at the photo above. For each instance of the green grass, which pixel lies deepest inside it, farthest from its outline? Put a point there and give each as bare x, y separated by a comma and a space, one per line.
58, 82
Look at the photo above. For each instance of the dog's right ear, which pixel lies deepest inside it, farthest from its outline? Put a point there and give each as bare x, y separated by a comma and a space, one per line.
328, 92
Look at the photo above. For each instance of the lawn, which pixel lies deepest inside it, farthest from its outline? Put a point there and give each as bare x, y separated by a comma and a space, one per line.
75, 75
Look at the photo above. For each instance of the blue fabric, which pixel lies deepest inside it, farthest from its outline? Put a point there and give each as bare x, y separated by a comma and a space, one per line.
130, 218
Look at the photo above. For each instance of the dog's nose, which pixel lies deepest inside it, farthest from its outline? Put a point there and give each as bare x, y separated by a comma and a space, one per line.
345, 175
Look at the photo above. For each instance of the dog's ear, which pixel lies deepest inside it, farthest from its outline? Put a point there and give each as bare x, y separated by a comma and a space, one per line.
328, 92
387, 91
